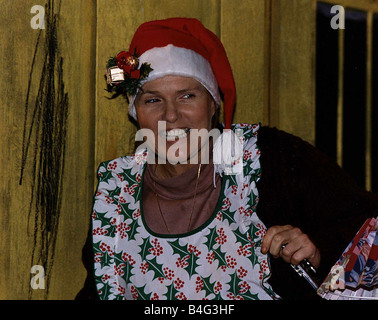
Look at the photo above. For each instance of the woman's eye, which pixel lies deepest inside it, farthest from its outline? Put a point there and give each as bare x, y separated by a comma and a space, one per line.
188, 96
153, 100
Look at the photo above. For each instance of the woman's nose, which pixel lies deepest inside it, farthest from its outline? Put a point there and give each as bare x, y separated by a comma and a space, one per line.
171, 112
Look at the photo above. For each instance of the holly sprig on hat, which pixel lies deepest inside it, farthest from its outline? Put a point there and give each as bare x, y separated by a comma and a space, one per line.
123, 75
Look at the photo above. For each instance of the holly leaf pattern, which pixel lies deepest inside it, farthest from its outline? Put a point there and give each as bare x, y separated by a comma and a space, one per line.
144, 247
105, 222
142, 295
127, 268
190, 256
179, 249
227, 214
233, 283
156, 267
111, 230
104, 291
221, 257
104, 176
250, 296
131, 233
192, 264
211, 238
114, 192
105, 257
235, 288
253, 230
242, 238
171, 292
209, 287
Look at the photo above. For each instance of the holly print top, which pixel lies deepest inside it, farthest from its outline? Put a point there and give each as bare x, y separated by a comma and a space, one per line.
219, 260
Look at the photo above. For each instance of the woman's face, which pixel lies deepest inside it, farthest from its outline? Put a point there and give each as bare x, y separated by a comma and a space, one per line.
173, 107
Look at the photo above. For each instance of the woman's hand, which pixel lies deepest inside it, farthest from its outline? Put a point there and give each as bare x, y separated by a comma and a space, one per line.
298, 245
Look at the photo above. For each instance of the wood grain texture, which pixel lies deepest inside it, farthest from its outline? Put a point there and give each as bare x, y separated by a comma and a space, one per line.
76, 39
242, 33
293, 67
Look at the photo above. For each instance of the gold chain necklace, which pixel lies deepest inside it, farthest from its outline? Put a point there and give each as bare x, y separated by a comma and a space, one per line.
194, 201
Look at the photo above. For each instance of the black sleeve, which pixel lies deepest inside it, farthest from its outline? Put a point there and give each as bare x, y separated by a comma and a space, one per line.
302, 187
88, 292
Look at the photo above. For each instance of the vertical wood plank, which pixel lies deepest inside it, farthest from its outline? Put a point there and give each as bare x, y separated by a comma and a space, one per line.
244, 37
76, 37
16, 50
77, 33
293, 67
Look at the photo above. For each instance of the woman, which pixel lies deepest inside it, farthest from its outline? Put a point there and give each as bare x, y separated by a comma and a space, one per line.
173, 222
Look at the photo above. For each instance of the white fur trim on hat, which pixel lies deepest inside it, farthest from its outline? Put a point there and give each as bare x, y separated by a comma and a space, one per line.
172, 60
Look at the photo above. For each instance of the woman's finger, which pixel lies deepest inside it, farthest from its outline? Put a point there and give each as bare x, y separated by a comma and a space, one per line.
274, 238
291, 244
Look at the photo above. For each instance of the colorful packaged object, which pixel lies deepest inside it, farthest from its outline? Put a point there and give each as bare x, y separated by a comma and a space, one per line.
355, 274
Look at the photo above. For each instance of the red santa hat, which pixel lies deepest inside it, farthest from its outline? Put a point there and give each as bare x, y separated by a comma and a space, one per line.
183, 46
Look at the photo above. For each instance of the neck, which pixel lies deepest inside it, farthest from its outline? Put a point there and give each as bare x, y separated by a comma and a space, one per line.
169, 170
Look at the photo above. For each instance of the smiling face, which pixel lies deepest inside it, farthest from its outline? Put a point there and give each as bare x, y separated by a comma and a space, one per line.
183, 105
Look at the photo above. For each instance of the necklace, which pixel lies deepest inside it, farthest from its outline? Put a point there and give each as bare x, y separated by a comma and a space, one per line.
193, 203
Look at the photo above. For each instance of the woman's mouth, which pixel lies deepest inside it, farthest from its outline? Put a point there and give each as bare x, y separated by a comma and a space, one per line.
175, 134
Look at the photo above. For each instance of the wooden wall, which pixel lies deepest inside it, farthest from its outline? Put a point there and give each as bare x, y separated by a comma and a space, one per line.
260, 37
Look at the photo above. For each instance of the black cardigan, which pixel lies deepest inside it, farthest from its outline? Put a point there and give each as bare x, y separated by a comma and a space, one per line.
302, 187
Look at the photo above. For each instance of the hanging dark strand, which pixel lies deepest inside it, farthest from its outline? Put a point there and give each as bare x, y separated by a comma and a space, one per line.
45, 127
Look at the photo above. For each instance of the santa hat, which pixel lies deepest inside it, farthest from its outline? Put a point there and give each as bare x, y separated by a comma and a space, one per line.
184, 47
